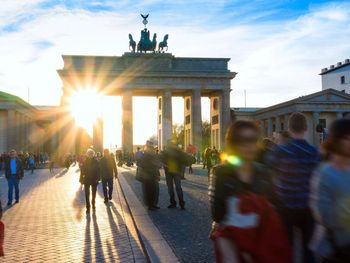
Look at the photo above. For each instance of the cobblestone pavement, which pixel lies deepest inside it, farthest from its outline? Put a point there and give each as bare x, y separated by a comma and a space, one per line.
50, 225
185, 231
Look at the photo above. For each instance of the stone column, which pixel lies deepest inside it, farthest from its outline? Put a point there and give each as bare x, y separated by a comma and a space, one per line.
11, 130
315, 122
127, 122
285, 125
165, 118
97, 136
225, 118
219, 117
196, 122
269, 127
278, 124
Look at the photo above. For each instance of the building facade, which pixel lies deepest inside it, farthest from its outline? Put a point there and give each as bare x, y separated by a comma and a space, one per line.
24, 127
337, 77
320, 108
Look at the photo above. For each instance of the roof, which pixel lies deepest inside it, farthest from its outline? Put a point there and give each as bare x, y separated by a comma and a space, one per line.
12, 98
245, 109
335, 67
302, 99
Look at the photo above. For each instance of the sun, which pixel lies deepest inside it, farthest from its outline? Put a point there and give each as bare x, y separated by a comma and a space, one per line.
85, 106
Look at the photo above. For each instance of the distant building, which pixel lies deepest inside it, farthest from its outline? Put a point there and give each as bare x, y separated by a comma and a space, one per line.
24, 127
320, 108
337, 77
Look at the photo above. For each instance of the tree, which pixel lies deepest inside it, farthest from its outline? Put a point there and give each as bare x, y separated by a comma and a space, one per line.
178, 134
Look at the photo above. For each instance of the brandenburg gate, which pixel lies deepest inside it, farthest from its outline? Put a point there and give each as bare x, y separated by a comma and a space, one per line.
158, 74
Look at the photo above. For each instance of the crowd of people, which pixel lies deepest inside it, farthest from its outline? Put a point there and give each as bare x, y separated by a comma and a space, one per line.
261, 195
261, 190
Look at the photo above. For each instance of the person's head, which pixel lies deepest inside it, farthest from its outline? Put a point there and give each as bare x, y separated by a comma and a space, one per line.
13, 154
90, 153
105, 152
241, 140
297, 124
283, 137
138, 149
149, 146
338, 141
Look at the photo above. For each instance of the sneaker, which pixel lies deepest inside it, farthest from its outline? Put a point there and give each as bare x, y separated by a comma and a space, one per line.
106, 200
155, 207
9, 203
172, 206
17, 201
151, 208
182, 207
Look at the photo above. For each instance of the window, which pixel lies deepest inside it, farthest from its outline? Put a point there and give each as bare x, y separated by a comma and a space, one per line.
342, 80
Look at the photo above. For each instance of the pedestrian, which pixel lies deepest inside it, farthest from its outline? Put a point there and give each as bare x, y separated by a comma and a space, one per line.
208, 160
149, 165
51, 165
246, 228
14, 173
174, 160
91, 176
294, 163
330, 195
138, 155
31, 163
108, 171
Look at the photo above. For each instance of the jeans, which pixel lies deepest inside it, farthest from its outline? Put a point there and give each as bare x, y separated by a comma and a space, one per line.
107, 183
303, 220
13, 182
172, 178
87, 194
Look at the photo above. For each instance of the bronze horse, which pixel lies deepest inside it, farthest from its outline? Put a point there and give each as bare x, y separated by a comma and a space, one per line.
163, 44
132, 43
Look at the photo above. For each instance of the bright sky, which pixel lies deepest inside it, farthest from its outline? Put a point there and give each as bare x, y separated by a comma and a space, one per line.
277, 47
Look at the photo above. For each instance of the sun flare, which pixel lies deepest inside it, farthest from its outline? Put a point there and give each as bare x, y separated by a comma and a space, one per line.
85, 106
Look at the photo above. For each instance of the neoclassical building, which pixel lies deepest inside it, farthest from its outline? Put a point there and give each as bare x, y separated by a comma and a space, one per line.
25, 127
320, 108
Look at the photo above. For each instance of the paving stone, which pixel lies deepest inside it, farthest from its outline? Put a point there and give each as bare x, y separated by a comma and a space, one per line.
49, 224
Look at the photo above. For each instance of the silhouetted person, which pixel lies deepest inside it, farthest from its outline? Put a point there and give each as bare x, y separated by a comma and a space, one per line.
149, 165
174, 159
294, 163
330, 195
245, 225
14, 173
91, 176
108, 171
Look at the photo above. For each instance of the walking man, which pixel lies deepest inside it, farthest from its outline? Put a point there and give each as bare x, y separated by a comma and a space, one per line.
108, 171
14, 173
174, 160
91, 177
294, 163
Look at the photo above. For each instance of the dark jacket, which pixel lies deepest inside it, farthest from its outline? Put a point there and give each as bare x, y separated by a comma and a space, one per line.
224, 182
90, 171
174, 160
19, 168
108, 168
150, 164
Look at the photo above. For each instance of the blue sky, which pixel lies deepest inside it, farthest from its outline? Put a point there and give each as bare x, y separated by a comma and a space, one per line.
277, 47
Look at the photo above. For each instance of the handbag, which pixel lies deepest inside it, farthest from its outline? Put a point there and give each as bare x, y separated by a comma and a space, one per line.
340, 254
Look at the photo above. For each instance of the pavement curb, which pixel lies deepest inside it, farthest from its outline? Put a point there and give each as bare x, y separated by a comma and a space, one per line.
155, 246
